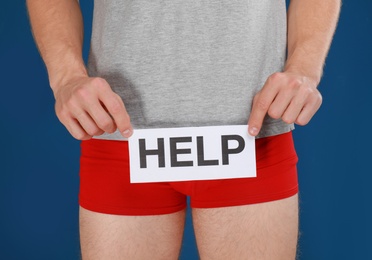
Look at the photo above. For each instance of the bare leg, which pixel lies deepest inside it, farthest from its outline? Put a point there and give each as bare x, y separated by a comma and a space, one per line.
265, 231
113, 237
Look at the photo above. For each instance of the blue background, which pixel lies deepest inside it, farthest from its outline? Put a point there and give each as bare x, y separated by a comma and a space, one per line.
39, 160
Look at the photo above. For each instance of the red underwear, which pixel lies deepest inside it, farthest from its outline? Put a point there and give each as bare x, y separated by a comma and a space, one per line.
105, 185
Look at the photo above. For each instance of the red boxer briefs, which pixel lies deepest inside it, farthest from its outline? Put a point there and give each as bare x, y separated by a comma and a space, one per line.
105, 186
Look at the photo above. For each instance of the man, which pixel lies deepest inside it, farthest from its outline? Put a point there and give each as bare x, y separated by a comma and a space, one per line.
186, 63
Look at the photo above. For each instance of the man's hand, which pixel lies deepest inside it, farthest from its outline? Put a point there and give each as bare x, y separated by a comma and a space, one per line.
292, 95
87, 107
286, 95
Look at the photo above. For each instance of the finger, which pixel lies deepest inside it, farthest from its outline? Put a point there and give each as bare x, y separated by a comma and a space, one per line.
87, 123
115, 107
89, 101
291, 113
76, 130
307, 112
101, 117
294, 109
280, 104
303, 107
261, 104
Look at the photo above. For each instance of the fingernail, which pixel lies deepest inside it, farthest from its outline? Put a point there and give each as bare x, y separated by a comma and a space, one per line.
253, 131
127, 133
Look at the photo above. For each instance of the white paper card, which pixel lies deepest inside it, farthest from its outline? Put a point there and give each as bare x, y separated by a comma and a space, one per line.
191, 153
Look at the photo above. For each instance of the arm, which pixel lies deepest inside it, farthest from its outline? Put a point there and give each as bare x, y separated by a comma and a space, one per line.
292, 95
86, 106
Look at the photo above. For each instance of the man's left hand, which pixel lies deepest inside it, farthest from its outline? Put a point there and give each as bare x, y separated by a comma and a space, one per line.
287, 95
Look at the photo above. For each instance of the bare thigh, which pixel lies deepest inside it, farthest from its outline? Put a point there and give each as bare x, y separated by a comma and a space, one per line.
104, 236
259, 231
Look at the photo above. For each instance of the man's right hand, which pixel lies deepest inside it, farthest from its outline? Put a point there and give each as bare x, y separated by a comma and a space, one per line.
88, 106
85, 106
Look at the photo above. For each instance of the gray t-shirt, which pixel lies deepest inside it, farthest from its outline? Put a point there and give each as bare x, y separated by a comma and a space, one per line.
179, 63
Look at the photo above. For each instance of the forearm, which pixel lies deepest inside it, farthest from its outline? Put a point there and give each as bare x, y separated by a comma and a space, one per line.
311, 25
58, 31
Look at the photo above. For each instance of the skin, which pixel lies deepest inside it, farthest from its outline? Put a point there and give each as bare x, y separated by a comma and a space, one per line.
292, 95
264, 231
87, 106
105, 236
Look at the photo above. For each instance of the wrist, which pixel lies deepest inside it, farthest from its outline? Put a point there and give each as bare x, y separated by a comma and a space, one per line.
314, 75
60, 77
306, 61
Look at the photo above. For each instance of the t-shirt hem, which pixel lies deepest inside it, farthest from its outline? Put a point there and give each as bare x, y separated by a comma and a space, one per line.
267, 130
